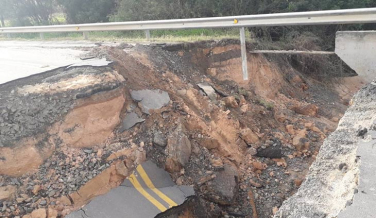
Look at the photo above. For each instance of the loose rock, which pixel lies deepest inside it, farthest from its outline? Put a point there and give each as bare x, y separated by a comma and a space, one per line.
159, 139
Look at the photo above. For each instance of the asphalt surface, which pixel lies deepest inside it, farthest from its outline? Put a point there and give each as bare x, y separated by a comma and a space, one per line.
364, 202
19, 59
148, 192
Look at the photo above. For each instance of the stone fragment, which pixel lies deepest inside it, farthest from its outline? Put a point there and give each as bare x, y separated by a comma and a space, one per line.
231, 102
208, 89
123, 152
255, 184
206, 179
43, 203
258, 165
272, 151
159, 139
40, 213
223, 188
244, 108
65, 201
299, 139
209, 143
249, 136
140, 156
217, 163
7, 192
150, 99
308, 110
290, 129
52, 213
171, 165
121, 169
129, 121
178, 146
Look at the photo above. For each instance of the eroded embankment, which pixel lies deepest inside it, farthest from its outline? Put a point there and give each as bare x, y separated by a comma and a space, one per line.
333, 177
245, 146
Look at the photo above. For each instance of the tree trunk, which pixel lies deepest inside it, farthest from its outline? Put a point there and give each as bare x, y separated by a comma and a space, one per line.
2, 20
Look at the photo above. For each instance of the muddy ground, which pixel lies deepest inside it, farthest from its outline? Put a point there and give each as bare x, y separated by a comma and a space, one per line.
245, 146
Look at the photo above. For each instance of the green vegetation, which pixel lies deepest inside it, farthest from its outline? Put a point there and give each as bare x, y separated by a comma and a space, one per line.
266, 104
138, 36
87, 11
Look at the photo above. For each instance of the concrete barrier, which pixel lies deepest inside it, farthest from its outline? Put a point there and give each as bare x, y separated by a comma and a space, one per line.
358, 50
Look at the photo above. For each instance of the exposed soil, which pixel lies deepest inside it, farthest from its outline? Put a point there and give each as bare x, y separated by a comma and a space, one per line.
245, 150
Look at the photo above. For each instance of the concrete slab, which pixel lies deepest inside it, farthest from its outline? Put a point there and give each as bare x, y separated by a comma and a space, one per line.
358, 50
148, 192
364, 201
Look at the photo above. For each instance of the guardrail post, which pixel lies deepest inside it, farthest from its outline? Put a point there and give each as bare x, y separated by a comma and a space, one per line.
9, 36
147, 34
85, 34
41, 36
244, 53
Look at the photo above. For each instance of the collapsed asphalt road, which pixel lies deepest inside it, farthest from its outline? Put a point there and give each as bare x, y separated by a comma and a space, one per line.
75, 133
146, 193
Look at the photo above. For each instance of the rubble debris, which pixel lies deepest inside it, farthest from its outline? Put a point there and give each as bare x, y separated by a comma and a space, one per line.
129, 121
339, 149
150, 99
194, 138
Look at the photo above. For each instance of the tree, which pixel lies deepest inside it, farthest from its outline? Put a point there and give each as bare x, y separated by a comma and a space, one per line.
27, 12
87, 11
5, 6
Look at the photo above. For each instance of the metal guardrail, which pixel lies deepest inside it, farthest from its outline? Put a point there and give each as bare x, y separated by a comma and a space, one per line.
365, 15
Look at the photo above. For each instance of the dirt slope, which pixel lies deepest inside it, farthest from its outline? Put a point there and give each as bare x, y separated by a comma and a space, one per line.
245, 147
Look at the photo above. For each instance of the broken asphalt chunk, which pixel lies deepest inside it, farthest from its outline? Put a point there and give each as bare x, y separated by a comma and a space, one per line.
94, 62
147, 192
150, 99
130, 120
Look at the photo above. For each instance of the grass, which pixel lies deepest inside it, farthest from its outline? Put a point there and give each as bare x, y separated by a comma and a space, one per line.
266, 104
136, 36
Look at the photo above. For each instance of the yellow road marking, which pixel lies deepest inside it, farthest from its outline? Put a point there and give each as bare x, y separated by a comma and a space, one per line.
142, 191
150, 184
